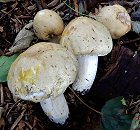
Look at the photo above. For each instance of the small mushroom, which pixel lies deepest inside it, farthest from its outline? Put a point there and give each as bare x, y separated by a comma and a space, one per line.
87, 39
47, 23
116, 19
41, 74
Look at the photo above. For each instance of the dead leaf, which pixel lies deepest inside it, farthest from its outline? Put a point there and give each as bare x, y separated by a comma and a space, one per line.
23, 39
136, 26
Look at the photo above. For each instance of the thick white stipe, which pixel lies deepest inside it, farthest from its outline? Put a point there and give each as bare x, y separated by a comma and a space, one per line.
86, 73
56, 109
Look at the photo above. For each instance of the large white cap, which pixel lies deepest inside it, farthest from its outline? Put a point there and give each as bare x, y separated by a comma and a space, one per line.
47, 22
43, 70
116, 19
85, 36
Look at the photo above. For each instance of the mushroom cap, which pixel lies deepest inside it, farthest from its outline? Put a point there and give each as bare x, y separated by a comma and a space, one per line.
47, 22
116, 19
85, 36
43, 70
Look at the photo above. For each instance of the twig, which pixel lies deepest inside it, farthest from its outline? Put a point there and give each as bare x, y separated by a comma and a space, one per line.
53, 3
31, 128
12, 107
85, 103
43, 3
130, 41
58, 6
38, 4
26, 9
1, 95
24, 17
76, 7
9, 11
78, 11
35, 121
134, 103
17, 120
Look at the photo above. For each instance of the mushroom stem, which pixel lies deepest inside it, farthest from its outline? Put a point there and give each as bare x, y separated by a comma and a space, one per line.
86, 74
56, 108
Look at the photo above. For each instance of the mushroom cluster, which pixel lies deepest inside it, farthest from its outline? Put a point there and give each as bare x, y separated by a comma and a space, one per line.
44, 71
41, 74
116, 19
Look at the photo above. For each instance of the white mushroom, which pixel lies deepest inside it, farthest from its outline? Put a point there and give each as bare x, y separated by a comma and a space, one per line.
41, 74
87, 39
47, 23
116, 19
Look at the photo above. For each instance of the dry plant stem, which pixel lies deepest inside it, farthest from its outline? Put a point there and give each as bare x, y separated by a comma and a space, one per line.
12, 107
26, 9
130, 41
78, 11
31, 128
2, 95
17, 120
85, 103
53, 3
76, 7
58, 6
35, 121
15, 5
38, 4
26, 3
43, 3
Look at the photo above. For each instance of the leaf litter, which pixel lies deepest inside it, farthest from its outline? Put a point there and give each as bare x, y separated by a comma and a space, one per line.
23, 39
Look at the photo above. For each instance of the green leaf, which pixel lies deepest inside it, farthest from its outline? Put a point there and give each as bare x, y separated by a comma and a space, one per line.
114, 116
5, 64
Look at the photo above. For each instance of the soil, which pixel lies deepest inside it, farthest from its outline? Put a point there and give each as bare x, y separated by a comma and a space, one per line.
111, 80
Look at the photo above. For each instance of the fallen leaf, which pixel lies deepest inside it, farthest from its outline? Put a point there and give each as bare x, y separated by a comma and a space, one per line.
114, 116
136, 26
23, 39
5, 63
